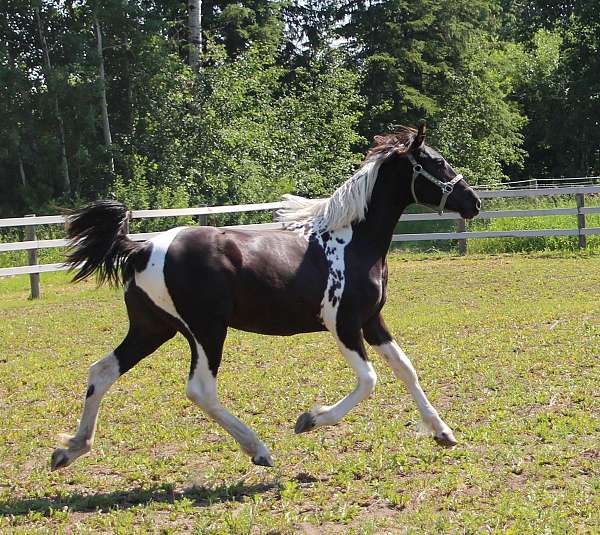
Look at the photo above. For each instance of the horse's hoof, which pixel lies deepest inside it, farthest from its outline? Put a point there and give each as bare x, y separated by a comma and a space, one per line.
305, 422
446, 439
262, 460
60, 459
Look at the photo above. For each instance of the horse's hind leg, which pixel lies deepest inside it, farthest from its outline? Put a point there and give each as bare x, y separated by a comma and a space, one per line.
146, 333
207, 346
378, 336
353, 350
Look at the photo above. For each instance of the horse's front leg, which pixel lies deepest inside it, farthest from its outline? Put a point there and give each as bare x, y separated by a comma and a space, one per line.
353, 349
378, 336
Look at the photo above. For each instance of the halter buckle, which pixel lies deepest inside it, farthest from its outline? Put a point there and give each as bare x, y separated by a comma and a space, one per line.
447, 188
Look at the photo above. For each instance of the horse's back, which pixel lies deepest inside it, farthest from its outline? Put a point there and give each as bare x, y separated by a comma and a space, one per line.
262, 281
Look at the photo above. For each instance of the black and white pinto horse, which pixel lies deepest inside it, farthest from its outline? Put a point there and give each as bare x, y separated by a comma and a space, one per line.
326, 271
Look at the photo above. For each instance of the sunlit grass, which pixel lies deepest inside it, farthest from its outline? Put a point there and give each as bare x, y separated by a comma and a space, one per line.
507, 347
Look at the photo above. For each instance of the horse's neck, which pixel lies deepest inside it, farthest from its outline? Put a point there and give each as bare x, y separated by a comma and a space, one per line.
389, 199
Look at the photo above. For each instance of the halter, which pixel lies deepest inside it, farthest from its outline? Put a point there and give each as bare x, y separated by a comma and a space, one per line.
446, 187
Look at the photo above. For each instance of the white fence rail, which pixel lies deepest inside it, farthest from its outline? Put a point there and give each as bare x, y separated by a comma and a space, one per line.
537, 183
32, 244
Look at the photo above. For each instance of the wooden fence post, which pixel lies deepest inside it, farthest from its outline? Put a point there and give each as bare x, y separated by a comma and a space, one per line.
127, 220
580, 199
462, 244
32, 254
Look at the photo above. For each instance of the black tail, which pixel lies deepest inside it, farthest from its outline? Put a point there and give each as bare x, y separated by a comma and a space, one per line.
98, 241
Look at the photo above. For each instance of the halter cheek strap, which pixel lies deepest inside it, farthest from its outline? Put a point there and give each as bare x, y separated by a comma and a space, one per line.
446, 187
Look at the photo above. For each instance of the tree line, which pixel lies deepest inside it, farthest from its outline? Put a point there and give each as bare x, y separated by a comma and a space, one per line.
167, 103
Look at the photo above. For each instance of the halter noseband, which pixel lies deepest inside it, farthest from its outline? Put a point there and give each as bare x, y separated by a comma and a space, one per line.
446, 187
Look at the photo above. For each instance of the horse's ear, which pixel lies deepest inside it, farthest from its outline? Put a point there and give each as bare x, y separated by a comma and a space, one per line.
419, 139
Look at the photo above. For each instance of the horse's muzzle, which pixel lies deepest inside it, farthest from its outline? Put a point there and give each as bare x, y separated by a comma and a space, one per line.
470, 207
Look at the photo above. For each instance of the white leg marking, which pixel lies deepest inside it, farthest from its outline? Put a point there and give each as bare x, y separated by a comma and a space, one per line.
102, 375
404, 370
367, 379
202, 390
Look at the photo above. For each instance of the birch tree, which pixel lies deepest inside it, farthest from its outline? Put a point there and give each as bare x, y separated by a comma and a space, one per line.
126, 71
194, 33
8, 107
52, 90
103, 102
21, 169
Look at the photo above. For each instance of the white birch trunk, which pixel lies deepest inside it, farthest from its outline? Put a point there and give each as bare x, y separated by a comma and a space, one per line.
127, 72
22, 169
22, 174
103, 103
59, 119
195, 33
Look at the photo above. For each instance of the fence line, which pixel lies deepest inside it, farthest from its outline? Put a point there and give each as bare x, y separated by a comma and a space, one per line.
50, 244
32, 245
536, 183
144, 214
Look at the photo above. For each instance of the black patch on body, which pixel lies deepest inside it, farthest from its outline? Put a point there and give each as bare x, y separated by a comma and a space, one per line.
90, 391
265, 282
376, 332
138, 262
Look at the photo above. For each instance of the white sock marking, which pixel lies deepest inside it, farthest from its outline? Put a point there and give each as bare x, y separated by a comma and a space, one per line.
367, 378
404, 370
202, 390
102, 376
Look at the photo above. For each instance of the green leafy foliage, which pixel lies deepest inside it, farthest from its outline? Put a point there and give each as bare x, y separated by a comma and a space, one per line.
259, 139
479, 128
407, 50
561, 93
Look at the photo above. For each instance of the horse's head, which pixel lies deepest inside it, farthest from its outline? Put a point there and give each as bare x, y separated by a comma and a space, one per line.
435, 184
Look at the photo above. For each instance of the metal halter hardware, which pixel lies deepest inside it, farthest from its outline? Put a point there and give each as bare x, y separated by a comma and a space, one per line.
446, 187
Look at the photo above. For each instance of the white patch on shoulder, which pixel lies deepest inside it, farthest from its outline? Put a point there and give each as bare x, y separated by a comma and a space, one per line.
304, 230
152, 278
334, 243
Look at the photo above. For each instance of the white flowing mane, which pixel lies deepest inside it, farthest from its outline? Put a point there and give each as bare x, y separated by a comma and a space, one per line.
347, 205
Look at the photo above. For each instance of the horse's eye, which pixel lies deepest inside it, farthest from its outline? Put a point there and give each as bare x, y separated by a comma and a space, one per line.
440, 164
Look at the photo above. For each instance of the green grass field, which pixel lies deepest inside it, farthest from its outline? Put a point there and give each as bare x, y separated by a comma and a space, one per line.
507, 348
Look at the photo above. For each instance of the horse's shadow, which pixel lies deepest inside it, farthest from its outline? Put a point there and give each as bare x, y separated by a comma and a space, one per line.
103, 502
